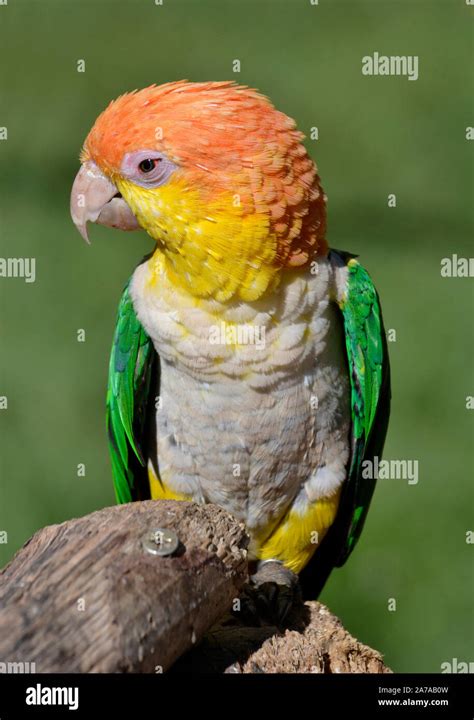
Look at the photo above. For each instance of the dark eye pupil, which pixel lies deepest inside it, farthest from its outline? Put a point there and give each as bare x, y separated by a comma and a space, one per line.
147, 166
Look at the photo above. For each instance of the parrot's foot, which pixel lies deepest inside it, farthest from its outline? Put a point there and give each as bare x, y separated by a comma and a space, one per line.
270, 595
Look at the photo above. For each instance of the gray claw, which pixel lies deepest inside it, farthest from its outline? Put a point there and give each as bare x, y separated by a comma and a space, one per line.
270, 595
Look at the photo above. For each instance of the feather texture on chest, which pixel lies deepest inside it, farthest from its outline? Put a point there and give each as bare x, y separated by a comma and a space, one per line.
253, 396
264, 342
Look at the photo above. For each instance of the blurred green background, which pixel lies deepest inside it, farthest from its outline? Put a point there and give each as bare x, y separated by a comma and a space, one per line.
376, 136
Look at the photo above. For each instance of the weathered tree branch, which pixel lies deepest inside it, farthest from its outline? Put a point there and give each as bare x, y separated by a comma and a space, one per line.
89, 596
85, 596
314, 642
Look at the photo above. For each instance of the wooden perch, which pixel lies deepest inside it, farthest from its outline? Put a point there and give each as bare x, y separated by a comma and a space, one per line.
314, 642
86, 596
109, 593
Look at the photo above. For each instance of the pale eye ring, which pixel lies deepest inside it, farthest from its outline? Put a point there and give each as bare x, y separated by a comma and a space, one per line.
148, 164
148, 168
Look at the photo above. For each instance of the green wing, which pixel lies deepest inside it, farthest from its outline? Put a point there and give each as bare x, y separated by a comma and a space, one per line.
130, 370
369, 370
368, 366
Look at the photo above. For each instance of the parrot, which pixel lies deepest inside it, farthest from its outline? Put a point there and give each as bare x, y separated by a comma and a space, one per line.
249, 365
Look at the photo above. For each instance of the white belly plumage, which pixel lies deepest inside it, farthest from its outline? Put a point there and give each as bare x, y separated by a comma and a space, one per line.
258, 425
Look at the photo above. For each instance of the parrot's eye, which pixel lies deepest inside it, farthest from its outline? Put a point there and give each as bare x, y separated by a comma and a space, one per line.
148, 164
147, 168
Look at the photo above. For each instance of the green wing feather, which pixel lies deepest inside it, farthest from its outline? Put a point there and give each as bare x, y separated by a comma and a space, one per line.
367, 360
370, 391
131, 362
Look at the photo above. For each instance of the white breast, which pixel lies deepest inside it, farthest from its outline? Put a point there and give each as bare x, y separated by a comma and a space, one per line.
247, 424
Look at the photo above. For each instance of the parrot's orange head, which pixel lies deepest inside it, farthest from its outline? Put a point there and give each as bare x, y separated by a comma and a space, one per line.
215, 174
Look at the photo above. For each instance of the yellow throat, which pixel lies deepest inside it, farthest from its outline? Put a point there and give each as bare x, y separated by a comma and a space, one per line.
219, 252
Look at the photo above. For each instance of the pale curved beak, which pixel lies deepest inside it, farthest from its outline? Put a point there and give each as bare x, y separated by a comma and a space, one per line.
94, 198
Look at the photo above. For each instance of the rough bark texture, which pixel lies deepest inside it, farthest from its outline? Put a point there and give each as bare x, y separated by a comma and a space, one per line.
86, 596
314, 642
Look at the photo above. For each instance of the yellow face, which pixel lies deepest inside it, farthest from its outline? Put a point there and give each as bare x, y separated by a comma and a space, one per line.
208, 248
